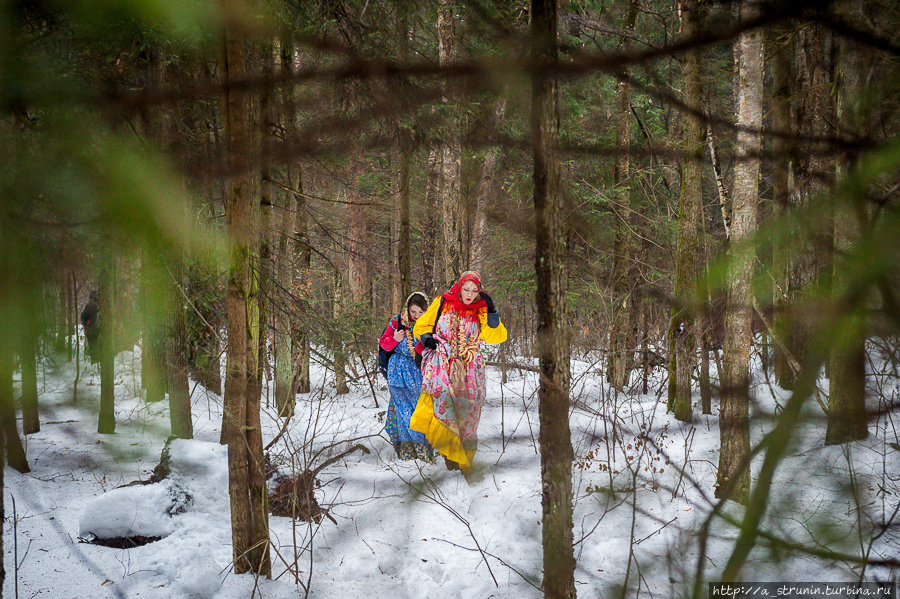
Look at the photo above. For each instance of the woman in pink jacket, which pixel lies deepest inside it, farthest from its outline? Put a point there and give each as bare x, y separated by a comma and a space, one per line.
405, 380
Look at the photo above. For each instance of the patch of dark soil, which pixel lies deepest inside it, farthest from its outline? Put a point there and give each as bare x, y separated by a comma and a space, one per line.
120, 542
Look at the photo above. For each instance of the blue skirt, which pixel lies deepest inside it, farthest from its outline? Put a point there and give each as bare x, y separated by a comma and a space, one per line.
402, 405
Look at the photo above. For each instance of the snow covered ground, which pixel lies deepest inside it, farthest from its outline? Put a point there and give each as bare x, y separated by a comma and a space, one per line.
643, 491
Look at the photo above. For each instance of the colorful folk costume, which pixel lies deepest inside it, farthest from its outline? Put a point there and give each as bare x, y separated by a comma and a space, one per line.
453, 388
405, 383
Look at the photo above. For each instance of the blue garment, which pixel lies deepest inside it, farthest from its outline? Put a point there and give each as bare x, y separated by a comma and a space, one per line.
402, 371
405, 385
403, 403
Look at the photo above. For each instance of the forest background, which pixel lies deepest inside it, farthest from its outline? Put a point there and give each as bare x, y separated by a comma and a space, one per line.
644, 184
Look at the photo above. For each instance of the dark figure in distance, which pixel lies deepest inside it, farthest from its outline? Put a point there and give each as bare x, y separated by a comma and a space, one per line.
90, 320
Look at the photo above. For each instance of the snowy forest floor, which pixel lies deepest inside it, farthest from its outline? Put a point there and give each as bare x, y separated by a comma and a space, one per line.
643, 487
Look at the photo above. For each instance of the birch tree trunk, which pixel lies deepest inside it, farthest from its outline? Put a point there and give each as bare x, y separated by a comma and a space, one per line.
733, 476
683, 326
552, 334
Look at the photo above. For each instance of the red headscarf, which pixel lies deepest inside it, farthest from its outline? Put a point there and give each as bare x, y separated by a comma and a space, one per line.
454, 296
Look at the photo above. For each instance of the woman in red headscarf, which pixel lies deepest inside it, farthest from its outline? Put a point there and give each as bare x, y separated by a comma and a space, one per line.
453, 384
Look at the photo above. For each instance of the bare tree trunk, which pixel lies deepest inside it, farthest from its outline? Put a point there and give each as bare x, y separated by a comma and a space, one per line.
807, 260
683, 328
264, 235
429, 223
257, 326
177, 360
783, 151
29, 334
619, 361
404, 265
107, 418
154, 318
394, 264
240, 425
60, 314
340, 374
452, 208
284, 383
705, 387
358, 278
300, 338
71, 320
552, 333
284, 313
172, 329
9, 433
733, 476
847, 368
484, 198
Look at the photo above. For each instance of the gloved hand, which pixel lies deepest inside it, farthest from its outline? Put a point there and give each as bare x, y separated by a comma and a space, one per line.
428, 341
487, 299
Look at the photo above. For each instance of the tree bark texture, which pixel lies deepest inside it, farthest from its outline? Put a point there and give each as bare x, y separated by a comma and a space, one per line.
404, 265
430, 233
300, 338
298, 261
176, 358
340, 374
13, 450
285, 115
620, 334
153, 373
552, 334
683, 327
239, 426
106, 424
733, 475
484, 198
809, 175
847, 368
452, 208
358, 278
29, 335
394, 265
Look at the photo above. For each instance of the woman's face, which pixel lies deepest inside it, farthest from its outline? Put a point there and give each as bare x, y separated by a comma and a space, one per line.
469, 292
415, 312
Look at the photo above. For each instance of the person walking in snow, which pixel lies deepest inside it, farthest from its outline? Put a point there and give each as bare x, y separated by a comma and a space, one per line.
453, 388
405, 380
90, 320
